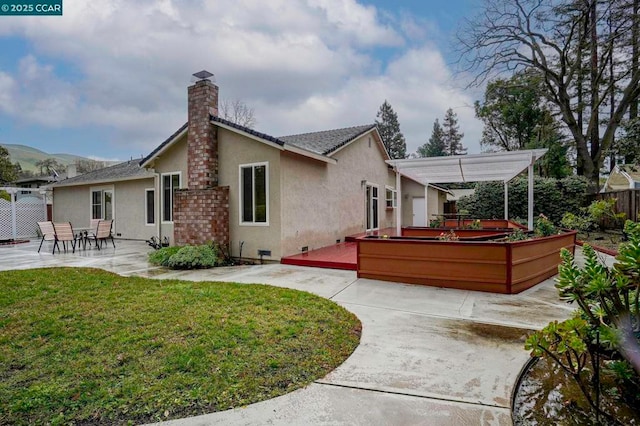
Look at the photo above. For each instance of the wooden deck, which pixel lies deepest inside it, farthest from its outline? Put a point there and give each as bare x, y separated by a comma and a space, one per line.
338, 256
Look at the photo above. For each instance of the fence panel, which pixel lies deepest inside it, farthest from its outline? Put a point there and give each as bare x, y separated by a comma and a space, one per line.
29, 209
627, 202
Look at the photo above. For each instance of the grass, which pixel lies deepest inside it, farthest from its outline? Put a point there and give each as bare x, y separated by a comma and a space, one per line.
84, 346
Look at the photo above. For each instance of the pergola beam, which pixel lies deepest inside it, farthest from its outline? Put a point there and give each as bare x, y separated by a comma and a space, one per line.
499, 166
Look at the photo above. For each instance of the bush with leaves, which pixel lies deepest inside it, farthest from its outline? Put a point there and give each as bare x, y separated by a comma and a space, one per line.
194, 257
4, 195
553, 197
161, 257
543, 227
606, 324
190, 257
579, 222
602, 211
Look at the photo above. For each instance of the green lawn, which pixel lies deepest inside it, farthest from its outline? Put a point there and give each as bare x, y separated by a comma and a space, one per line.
88, 346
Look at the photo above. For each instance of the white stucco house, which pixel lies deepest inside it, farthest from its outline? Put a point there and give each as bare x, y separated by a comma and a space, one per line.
215, 180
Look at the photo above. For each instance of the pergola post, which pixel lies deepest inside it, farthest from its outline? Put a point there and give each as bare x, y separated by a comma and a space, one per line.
398, 203
426, 205
506, 200
530, 197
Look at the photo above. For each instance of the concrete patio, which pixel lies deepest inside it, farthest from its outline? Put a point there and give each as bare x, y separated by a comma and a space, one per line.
427, 355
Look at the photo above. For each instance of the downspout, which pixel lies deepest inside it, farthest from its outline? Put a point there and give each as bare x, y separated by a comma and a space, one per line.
156, 200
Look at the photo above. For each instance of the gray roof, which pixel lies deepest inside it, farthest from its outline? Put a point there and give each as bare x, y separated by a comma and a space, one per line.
325, 142
129, 170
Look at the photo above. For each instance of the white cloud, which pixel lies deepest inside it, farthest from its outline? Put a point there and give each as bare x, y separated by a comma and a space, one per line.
303, 66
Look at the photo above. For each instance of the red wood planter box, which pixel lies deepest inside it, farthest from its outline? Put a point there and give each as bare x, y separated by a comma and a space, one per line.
492, 266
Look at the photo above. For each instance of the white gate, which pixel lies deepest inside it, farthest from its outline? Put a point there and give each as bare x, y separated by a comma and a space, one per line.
19, 217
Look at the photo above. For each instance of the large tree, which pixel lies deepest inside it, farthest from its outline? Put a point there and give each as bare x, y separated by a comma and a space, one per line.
436, 146
7, 168
511, 110
49, 166
581, 48
389, 129
237, 112
452, 135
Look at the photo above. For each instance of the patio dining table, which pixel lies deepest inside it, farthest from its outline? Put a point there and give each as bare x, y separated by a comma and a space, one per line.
82, 236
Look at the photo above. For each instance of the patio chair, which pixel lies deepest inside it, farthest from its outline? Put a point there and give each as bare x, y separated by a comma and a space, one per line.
93, 229
64, 233
103, 233
48, 233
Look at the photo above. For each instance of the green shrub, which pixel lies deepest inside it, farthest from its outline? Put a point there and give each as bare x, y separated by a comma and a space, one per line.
161, 257
544, 227
601, 210
518, 235
4, 195
553, 197
579, 222
194, 257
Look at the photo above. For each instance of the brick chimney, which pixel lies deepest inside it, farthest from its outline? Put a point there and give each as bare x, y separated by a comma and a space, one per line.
202, 142
201, 211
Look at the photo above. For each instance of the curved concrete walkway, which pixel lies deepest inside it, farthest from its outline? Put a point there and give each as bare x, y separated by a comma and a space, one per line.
427, 355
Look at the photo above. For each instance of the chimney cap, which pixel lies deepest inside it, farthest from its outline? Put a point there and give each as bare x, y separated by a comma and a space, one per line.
203, 75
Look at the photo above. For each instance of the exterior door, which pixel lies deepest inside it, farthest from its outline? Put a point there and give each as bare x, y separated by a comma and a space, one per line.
371, 201
419, 212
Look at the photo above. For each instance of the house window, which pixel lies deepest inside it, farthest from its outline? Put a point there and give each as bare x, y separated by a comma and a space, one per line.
170, 182
391, 198
149, 206
102, 204
254, 194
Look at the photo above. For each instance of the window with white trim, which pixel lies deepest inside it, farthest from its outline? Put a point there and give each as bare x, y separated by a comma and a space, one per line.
170, 182
391, 198
102, 204
149, 206
254, 194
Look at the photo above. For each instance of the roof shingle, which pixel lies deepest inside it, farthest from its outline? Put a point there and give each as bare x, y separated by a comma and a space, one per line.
124, 171
327, 141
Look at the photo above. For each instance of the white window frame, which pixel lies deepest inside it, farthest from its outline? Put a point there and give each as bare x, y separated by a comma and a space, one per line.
162, 175
146, 211
102, 189
391, 203
241, 193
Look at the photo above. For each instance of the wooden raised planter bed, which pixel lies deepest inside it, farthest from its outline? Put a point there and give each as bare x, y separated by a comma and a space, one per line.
492, 266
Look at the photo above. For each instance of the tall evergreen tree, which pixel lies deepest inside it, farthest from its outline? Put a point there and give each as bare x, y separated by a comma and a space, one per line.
436, 146
389, 129
451, 134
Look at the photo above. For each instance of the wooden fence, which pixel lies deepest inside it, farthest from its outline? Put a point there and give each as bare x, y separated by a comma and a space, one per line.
627, 201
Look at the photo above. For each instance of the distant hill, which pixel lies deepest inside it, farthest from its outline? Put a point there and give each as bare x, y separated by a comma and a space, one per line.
28, 156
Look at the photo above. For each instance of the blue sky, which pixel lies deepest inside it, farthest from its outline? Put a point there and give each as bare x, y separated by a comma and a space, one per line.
108, 79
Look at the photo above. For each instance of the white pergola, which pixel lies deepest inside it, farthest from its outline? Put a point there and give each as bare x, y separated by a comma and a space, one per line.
499, 166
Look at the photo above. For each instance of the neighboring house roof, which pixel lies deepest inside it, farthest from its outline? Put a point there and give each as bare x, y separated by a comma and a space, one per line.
327, 141
623, 176
129, 170
36, 179
632, 170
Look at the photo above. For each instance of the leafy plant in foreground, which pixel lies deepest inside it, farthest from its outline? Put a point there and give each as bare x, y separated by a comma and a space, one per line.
606, 324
